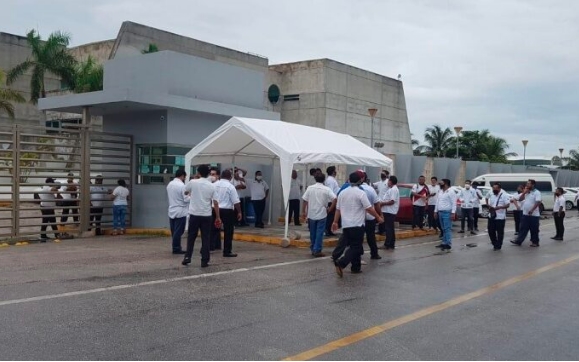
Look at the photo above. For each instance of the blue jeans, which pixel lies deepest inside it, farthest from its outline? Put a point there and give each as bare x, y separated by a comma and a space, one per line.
317, 228
119, 212
446, 225
177, 230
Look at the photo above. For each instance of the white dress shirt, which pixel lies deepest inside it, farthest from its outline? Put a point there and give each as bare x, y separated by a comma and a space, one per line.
332, 184
241, 193
178, 202
227, 196
47, 198
381, 186
500, 200
372, 197
352, 203
202, 194
257, 189
446, 201
295, 189
318, 197
467, 198
559, 202
433, 190
476, 201
529, 202
391, 194
416, 189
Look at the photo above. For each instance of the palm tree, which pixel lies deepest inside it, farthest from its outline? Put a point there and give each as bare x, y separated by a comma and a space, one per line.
88, 76
415, 144
494, 149
7, 96
437, 139
151, 49
573, 163
47, 56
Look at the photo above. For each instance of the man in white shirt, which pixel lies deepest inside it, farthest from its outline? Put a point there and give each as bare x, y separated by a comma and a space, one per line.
433, 190
98, 193
467, 197
518, 212
352, 206
178, 207
476, 206
559, 214
315, 209
333, 185
419, 196
47, 195
531, 202
241, 186
69, 202
390, 204
370, 226
311, 178
445, 211
498, 204
381, 187
294, 198
229, 203
215, 242
259, 191
202, 200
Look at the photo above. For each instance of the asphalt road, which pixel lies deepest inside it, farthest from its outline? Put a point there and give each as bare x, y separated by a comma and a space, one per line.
129, 298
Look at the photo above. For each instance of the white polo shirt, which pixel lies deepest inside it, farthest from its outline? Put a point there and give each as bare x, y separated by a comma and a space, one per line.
381, 186
500, 200
257, 189
446, 201
178, 202
434, 190
352, 203
392, 194
227, 196
529, 202
332, 184
295, 191
467, 198
241, 193
559, 202
417, 189
202, 193
372, 197
476, 201
318, 197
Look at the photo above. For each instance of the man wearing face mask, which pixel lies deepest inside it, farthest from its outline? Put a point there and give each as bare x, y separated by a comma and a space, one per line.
433, 190
467, 197
476, 206
498, 204
215, 243
517, 213
531, 202
419, 196
390, 204
228, 201
259, 191
238, 181
445, 211
381, 188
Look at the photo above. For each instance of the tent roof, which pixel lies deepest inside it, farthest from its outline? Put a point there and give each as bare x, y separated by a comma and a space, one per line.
255, 139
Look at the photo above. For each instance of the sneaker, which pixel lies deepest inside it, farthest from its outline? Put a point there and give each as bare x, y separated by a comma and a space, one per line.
446, 247
356, 271
534, 245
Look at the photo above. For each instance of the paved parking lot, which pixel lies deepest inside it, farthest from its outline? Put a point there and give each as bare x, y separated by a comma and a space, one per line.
129, 298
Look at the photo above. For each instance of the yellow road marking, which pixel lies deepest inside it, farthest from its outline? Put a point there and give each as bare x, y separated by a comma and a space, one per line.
370, 332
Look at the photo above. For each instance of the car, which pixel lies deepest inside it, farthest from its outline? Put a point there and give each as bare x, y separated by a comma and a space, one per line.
406, 211
570, 195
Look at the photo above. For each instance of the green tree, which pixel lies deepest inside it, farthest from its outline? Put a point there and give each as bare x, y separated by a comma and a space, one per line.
50, 56
152, 48
572, 160
88, 76
438, 141
415, 145
7, 97
481, 146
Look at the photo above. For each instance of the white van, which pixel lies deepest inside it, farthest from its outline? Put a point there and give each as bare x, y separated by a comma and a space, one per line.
510, 181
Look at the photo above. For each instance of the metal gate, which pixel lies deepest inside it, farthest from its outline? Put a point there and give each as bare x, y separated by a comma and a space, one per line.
31, 156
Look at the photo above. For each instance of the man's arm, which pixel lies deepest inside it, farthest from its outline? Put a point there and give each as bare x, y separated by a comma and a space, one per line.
217, 216
336, 220
305, 209
332, 206
238, 209
373, 212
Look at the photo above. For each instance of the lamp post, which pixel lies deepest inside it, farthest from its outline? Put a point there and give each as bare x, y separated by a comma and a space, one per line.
525, 152
457, 129
372, 112
561, 155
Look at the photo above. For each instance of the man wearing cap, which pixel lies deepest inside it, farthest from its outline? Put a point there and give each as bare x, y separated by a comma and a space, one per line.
353, 204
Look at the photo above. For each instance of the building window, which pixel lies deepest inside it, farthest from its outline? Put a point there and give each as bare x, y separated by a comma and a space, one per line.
291, 97
57, 125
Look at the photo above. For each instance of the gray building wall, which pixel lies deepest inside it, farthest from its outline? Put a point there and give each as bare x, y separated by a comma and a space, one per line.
190, 128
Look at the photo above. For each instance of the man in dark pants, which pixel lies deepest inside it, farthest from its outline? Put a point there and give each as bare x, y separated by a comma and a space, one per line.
476, 206
353, 204
69, 201
259, 191
498, 204
370, 226
239, 182
229, 203
419, 196
215, 243
531, 202
202, 200
433, 190
47, 195
294, 198
381, 188
333, 185
390, 204
517, 213
178, 207
98, 193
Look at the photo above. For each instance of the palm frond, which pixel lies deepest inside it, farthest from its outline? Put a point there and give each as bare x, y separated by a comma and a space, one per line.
37, 84
16, 72
7, 107
11, 96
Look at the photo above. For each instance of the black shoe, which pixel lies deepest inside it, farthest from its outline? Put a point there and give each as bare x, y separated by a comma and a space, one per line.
204, 264
534, 245
496, 249
186, 261
230, 255
558, 239
180, 252
376, 257
356, 271
297, 224
446, 247
439, 246
318, 254
330, 234
555, 237
516, 234
472, 232
514, 242
461, 231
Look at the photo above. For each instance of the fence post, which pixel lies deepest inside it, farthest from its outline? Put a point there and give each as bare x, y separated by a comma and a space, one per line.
84, 179
15, 181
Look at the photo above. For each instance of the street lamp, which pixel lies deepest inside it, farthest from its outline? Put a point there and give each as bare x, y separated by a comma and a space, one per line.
525, 152
561, 155
457, 129
372, 112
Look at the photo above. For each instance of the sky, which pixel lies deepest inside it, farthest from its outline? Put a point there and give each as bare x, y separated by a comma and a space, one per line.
509, 66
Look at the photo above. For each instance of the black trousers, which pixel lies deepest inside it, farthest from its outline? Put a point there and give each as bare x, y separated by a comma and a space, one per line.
177, 229
196, 224
294, 211
466, 216
517, 216
390, 242
95, 218
354, 237
48, 218
66, 209
340, 248
432, 221
228, 219
330, 220
496, 229
418, 216
243, 206
475, 218
370, 230
259, 208
215, 243
559, 226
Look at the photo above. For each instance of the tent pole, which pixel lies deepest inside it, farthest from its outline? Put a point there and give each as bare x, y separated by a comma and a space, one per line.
286, 230
271, 189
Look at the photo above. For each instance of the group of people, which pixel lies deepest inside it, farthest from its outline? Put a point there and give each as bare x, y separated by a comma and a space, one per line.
53, 196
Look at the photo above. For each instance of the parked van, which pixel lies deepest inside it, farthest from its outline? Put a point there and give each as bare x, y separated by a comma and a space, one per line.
510, 181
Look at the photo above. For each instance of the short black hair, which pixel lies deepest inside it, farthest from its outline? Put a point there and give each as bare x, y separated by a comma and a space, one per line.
256, 172
180, 173
421, 176
49, 180
393, 179
312, 171
320, 177
532, 181
122, 183
354, 177
446, 182
475, 183
226, 174
203, 170
331, 170
467, 182
497, 184
434, 178
214, 169
386, 172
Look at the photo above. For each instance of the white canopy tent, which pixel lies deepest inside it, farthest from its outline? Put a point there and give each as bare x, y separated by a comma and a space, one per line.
264, 141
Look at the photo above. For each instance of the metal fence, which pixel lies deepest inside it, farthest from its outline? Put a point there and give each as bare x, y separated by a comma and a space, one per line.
29, 156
